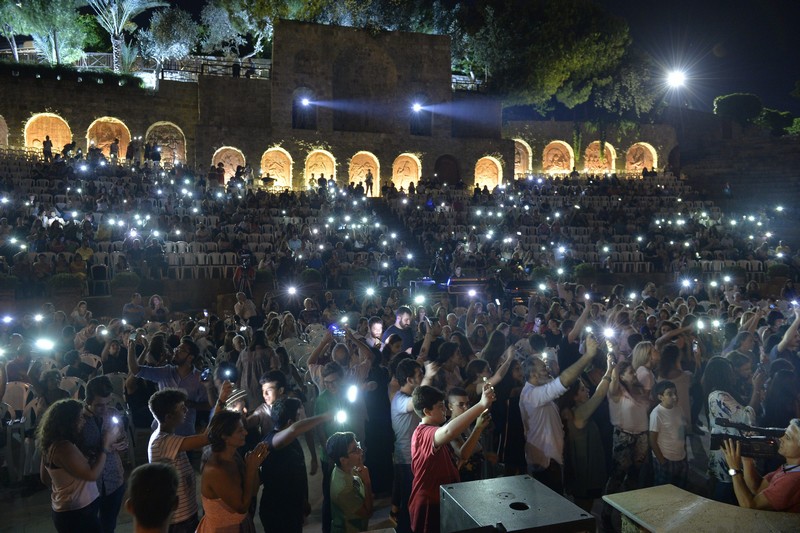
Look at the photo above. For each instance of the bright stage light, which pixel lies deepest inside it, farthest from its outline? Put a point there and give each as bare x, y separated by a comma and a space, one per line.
417, 107
305, 102
676, 79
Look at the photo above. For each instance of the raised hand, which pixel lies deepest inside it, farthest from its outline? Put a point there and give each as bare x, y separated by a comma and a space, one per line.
488, 397
256, 456
225, 391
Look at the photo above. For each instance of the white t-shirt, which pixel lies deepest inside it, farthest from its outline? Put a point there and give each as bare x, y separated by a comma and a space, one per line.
165, 447
671, 430
544, 432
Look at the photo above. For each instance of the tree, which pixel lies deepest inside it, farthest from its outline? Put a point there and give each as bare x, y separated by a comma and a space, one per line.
253, 19
777, 121
741, 107
171, 36
55, 26
115, 16
12, 23
629, 92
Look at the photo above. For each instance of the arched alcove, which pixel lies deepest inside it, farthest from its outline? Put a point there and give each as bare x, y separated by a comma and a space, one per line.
319, 163
594, 163
104, 130
558, 158
361, 164
641, 155
488, 172
523, 157
43, 124
171, 140
278, 164
406, 169
230, 158
3, 132
446, 169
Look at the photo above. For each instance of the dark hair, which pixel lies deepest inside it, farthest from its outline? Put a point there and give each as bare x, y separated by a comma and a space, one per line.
494, 348
273, 376
669, 358
446, 351
475, 367
222, 425
719, 376
153, 490
463, 343
283, 410
781, 400
332, 368
737, 341
403, 310
425, 397
406, 369
98, 386
537, 343
164, 401
662, 386
59, 422
194, 350
70, 357
456, 391
337, 445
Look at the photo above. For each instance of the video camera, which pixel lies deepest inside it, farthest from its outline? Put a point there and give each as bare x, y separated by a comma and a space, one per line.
756, 442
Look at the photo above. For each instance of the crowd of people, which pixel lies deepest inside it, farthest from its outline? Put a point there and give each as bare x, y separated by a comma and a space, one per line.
590, 392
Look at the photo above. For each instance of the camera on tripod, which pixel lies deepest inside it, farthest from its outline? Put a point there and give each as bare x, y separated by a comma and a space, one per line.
756, 442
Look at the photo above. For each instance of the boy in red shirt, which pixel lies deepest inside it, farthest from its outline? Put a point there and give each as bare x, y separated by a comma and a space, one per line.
432, 459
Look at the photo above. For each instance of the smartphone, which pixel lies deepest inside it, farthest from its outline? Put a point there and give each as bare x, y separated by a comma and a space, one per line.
132, 336
201, 328
337, 331
204, 374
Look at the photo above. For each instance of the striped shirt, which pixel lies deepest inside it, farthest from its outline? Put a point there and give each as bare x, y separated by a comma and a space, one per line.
165, 447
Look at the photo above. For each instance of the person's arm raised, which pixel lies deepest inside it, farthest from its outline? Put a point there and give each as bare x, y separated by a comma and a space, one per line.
668, 336
790, 332
459, 424
133, 364
320, 349
573, 372
498, 376
70, 458
580, 323
465, 451
584, 411
286, 436
194, 442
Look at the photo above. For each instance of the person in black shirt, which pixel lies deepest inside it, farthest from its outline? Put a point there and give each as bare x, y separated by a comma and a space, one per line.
402, 327
77, 368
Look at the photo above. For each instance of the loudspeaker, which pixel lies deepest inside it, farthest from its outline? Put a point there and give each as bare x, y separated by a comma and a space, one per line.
509, 504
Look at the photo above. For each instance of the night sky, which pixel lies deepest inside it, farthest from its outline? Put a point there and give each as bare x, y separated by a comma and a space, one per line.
725, 46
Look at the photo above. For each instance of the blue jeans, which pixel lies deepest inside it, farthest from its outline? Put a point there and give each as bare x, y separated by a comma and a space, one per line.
83, 520
110, 505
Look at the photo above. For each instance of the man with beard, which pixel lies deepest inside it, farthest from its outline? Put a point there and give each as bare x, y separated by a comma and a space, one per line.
180, 374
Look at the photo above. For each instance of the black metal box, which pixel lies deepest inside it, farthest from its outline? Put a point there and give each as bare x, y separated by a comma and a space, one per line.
509, 504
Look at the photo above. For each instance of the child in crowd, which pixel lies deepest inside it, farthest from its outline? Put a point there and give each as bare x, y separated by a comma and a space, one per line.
667, 437
432, 461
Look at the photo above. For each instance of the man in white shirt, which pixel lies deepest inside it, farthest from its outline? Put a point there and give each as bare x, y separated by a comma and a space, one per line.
544, 432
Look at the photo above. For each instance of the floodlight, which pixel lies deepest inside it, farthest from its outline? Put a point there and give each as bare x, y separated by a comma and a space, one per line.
676, 79
306, 102
416, 107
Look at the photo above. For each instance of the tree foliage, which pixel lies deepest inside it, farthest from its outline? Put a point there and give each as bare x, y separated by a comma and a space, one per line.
55, 26
744, 108
252, 20
777, 121
116, 16
171, 36
630, 92
12, 22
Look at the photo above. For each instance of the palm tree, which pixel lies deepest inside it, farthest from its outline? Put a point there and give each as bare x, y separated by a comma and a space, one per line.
115, 15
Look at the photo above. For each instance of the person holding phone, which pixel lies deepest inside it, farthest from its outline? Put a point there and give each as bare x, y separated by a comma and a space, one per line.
99, 413
70, 475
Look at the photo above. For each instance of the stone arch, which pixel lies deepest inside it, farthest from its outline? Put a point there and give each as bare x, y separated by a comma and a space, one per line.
319, 162
230, 158
488, 172
277, 162
171, 139
594, 163
43, 124
361, 163
446, 169
558, 158
406, 169
641, 155
523, 157
102, 132
3, 132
